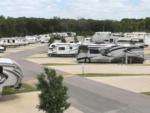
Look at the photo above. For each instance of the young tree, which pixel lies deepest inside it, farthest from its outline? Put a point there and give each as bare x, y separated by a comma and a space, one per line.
53, 96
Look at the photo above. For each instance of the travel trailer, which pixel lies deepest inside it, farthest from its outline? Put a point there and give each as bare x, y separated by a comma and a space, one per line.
44, 38
113, 54
22, 41
31, 39
9, 42
63, 49
11, 74
13, 42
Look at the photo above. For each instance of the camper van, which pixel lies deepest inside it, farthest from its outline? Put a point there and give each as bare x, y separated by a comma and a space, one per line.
11, 74
114, 54
63, 49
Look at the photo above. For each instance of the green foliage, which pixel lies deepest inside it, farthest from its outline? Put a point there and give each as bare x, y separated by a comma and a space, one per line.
53, 97
23, 89
30, 26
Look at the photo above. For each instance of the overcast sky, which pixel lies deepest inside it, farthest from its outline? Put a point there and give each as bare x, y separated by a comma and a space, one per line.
94, 9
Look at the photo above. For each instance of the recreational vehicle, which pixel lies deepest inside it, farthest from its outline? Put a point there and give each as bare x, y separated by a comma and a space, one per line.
114, 54
101, 37
130, 42
9, 42
44, 38
31, 39
11, 74
63, 49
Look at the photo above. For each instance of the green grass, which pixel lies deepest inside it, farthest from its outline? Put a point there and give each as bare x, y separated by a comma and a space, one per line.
23, 89
146, 93
108, 74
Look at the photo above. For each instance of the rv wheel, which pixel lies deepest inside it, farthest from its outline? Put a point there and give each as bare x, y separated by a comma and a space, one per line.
87, 60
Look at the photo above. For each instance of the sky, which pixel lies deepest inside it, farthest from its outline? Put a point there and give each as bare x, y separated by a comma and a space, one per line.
89, 9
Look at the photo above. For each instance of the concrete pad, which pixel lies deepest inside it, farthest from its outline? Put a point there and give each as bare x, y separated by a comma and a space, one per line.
103, 68
147, 62
147, 51
39, 56
136, 84
3, 54
53, 60
24, 103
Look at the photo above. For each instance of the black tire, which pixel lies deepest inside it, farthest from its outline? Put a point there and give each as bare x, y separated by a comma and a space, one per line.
87, 60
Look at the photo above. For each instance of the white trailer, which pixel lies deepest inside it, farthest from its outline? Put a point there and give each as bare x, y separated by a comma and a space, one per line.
63, 49
9, 42
101, 37
44, 38
11, 74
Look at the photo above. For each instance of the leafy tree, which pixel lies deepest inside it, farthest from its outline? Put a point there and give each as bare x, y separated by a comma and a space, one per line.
22, 26
53, 96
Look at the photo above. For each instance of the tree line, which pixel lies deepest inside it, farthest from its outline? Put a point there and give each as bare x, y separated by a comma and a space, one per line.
22, 26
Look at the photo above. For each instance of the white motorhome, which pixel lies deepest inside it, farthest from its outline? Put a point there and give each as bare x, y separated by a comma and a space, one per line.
11, 74
63, 49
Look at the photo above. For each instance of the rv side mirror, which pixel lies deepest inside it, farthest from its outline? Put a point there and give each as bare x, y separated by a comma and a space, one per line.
1, 69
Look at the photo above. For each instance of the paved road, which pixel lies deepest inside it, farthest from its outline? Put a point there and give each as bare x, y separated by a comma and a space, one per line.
87, 95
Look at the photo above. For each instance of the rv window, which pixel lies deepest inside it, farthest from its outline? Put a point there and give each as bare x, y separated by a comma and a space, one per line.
61, 48
8, 41
94, 51
70, 47
13, 41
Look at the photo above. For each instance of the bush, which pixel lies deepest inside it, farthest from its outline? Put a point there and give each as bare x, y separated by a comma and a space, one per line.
53, 97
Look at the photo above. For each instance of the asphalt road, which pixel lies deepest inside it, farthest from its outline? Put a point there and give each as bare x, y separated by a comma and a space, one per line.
87, 95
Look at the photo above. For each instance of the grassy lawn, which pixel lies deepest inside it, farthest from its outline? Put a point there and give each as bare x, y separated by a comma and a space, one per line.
23, 89
146, 93
108, 75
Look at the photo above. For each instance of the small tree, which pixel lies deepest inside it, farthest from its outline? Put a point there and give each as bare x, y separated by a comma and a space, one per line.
53, 96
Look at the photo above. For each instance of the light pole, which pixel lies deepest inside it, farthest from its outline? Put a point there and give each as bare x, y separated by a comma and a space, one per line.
83, 69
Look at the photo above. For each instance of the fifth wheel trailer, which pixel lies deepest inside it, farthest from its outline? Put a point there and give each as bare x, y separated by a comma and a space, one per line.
11, 74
